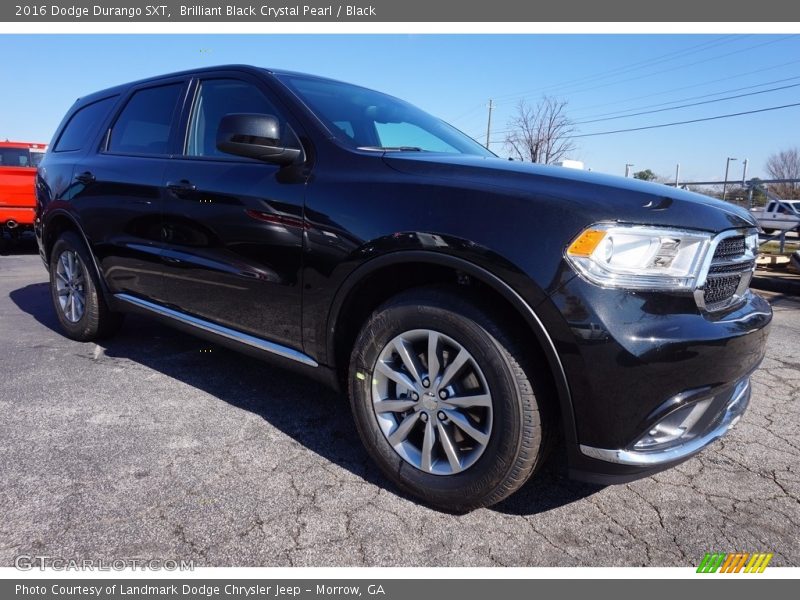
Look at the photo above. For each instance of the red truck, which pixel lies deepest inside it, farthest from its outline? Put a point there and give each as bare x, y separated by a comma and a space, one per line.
18, 162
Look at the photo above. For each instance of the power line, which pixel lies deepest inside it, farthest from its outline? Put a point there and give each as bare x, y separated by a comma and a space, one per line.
682, 66
650, 112
691, 86
658, 59
694, 86
645, 112
660, 125
700, 97
629, 67
727, 116
469, 112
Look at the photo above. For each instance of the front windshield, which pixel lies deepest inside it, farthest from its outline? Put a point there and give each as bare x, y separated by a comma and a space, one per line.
369, 120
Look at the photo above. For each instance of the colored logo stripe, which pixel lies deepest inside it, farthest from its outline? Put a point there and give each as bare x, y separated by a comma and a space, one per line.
758, 563
711, 562
734, 562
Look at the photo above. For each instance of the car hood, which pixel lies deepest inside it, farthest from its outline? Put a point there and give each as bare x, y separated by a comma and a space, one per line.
605, 197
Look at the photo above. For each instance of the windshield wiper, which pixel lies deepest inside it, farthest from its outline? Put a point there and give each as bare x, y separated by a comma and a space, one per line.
391, 148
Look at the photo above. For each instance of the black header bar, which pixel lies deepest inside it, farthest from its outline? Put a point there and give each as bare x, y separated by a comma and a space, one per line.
460, 11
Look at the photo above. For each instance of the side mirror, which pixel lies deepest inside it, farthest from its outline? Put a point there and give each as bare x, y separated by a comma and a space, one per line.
254, 136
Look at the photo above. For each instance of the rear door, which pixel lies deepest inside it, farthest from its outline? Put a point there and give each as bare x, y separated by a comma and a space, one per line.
120, 187
77, 135
234, 226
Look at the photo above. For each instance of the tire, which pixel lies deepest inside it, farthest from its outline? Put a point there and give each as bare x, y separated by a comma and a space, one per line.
509, 443
76, 293
768, 231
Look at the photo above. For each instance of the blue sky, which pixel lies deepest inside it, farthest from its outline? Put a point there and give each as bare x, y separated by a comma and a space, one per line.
453, 76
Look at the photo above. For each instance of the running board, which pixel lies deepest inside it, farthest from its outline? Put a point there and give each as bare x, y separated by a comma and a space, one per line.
225, 332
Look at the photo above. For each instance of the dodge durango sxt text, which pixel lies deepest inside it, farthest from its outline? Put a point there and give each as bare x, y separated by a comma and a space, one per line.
474, 309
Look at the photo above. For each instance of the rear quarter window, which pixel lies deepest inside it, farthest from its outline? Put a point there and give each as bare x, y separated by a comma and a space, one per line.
82, 125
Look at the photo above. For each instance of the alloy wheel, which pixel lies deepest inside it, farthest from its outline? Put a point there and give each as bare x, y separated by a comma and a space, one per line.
70, 285
431, 401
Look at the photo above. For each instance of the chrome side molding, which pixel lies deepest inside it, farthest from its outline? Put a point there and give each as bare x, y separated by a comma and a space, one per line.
219, 330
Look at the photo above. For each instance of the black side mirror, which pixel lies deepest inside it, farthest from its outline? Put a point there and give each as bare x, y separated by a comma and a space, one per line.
254, 136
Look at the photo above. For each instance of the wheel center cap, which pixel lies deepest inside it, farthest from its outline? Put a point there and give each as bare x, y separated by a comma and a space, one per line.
429, 401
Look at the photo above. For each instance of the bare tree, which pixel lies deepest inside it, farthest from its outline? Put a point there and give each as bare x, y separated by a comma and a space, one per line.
540, 133
646, 175
785, 165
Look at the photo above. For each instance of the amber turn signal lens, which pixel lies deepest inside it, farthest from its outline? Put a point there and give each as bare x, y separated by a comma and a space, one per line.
586, 243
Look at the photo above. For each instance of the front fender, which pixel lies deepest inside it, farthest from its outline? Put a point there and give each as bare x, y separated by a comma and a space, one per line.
521, 303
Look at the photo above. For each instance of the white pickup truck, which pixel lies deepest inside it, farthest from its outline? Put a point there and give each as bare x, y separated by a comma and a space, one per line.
783, 215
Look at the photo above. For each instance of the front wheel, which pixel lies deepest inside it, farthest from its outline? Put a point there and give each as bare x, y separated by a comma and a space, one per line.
443, 402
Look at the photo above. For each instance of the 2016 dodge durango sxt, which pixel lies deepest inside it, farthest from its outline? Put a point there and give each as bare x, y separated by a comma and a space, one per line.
475, 309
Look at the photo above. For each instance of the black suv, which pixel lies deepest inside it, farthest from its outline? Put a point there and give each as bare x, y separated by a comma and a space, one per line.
475, 309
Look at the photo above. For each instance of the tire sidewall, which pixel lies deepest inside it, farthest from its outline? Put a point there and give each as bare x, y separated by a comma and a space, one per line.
86, 327
472, 486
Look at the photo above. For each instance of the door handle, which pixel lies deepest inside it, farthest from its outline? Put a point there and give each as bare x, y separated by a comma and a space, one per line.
184, 186
85, 178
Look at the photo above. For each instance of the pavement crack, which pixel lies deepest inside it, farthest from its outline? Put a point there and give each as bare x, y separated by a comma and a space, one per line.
786, 492
180, 532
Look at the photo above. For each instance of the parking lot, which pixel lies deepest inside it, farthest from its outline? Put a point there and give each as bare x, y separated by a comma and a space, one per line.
157, 445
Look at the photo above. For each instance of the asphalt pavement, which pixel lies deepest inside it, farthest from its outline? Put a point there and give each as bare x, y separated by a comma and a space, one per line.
158, 445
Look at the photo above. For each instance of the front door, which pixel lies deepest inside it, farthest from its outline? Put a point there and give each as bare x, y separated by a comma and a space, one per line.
233, 227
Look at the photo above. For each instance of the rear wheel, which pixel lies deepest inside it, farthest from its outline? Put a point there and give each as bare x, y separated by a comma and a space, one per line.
76, 293
442, 401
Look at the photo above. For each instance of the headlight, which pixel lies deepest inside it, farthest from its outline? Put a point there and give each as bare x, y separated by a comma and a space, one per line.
638, 257
751, 243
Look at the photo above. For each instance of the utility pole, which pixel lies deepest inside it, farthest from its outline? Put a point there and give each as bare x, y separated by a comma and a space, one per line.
628, 169
677, 174
489, 123
725, 183
744, 173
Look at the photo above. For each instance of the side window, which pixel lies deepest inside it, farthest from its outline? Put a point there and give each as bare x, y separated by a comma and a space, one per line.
219, 97
82, 125
143, 126
346, 127
770, 207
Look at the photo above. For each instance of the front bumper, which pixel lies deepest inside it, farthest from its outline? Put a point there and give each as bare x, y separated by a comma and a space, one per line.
723, 412
633, 359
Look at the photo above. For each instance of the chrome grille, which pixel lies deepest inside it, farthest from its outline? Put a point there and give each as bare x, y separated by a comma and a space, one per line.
731, 247
728, 275
720, 270
720, 289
